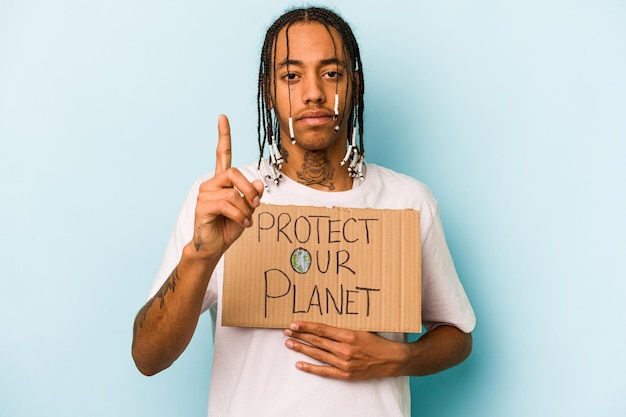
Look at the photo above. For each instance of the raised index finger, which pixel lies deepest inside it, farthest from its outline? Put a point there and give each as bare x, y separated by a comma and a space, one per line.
223, 154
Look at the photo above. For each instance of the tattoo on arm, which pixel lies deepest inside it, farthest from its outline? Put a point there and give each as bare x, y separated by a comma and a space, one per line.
316, 170
169, 285
198, 242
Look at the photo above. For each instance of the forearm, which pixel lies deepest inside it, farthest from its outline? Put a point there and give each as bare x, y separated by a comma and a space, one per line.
166, 323
436, 351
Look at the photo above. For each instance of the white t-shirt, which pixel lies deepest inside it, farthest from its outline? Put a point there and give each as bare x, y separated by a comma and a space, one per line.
254, 374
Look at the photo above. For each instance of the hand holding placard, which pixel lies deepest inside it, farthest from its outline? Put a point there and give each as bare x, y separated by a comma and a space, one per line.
352, 355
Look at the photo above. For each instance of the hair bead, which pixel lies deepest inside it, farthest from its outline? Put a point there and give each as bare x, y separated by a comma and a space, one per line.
291, 135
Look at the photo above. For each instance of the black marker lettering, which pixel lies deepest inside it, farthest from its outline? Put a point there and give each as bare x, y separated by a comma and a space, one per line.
367, 230
282, 228
367, 290
260, 223
317, 226
306, 229
342, 264
349, 301
316, 295
281, 276
317, 258
293, 307
329, 296
345, 238
331, 231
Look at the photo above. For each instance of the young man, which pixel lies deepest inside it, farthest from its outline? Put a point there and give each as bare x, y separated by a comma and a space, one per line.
310, 111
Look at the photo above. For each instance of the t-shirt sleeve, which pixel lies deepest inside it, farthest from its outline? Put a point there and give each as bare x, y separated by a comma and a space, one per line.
444, 301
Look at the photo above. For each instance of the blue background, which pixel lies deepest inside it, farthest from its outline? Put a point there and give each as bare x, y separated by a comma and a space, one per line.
514, 113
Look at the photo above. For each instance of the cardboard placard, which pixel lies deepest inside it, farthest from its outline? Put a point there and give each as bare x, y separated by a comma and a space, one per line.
352, 268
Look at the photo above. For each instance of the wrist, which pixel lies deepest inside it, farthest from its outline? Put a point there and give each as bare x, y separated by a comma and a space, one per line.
404, 358
199, 258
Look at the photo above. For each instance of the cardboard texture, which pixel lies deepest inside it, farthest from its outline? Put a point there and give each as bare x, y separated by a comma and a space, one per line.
352, 268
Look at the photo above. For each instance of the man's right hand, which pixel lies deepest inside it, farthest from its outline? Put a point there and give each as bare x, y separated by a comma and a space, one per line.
166, 323
225, 203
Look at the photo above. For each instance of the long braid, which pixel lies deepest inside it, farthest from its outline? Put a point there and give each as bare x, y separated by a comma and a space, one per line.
267, 128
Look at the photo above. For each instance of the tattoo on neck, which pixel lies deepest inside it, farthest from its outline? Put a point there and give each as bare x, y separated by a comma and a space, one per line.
316, 170
169, 285
284, 154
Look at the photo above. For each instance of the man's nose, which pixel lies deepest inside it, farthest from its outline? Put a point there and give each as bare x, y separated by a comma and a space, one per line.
313, 90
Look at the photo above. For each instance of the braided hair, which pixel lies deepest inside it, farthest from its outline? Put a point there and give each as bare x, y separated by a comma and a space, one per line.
268, 129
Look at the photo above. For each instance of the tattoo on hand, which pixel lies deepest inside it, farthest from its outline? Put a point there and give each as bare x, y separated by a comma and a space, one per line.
316, 170
169, 285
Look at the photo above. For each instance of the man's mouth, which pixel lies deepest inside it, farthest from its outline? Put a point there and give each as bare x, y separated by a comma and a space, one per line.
315, 118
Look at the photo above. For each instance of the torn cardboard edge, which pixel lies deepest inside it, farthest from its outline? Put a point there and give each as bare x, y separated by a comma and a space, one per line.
351, 268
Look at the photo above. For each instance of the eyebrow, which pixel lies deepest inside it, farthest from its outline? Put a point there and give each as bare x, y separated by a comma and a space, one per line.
295, 62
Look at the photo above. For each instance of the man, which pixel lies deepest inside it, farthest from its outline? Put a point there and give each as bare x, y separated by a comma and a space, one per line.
310, 111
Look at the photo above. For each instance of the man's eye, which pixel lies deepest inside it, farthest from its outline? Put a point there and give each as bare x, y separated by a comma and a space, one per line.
332, 74
291, 76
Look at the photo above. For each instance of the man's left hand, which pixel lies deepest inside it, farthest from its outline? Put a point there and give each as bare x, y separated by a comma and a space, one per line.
347, 354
